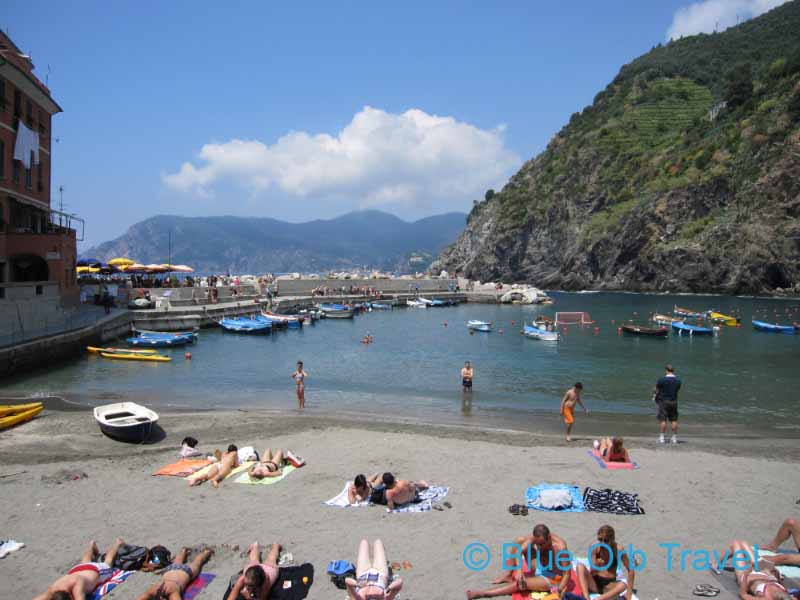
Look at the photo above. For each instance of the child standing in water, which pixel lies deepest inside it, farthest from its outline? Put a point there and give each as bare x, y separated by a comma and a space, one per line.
571, 398
299, 377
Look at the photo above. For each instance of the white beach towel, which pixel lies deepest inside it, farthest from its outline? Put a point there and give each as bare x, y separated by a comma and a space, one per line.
341, 499
9, 546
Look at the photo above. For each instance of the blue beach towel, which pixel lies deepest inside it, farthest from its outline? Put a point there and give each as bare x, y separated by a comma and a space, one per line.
532, 493
427, 498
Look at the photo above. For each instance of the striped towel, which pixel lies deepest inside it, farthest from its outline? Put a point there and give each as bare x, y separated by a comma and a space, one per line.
117, 577
427, 498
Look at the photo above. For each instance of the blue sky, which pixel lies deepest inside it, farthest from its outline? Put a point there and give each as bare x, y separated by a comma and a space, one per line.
303, 111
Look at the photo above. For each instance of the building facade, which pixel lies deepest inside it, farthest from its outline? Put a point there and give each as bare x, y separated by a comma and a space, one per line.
37, 244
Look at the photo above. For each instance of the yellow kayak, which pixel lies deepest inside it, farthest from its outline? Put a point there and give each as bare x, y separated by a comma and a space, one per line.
20, 417
10, 409
94, 350
723, 319
129, 356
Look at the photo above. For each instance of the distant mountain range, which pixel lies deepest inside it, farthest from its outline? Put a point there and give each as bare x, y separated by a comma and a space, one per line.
368, 238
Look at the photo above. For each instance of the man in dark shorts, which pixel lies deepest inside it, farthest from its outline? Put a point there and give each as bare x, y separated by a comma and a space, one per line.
466, 377
666, 397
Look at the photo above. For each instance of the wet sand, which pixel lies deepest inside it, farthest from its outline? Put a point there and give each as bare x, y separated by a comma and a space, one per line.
700, 493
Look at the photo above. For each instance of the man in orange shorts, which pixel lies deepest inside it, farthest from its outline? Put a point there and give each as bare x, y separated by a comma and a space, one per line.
571, 398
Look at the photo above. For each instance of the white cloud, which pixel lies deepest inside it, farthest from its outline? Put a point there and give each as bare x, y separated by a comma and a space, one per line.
710, 15
379, 158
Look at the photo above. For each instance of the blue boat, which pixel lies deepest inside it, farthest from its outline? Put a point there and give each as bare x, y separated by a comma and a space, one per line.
242, 325
159, 342
682, 328
336, 311
774, 327
380, 306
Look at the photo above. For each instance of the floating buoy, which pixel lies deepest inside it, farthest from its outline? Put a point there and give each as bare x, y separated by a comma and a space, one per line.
188, 356
619, 330
444, 324
512, 323
500, 331
612, 321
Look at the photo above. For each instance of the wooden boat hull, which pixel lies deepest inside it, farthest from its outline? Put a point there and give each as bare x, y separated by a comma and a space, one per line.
774, 327
10, 409
94, 350
663, 319
141, 357
692, 330
338, 314
685, 312
657, 332
125, 421
158, 342
721, 319
20, 417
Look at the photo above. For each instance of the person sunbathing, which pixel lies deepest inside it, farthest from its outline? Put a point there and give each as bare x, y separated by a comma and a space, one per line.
372, 576
613, 450
82, 579
758, 580
401, 491
176, 577
258, 578
271, 465
544, 547
219, 470
789, 528
362, 487
608, 554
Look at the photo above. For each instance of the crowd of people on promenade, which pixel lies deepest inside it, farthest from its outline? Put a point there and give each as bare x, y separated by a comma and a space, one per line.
345, 290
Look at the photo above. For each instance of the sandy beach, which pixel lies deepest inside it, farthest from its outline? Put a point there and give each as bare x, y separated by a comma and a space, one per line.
700, 494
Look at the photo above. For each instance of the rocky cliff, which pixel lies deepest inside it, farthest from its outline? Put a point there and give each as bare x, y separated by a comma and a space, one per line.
683, 175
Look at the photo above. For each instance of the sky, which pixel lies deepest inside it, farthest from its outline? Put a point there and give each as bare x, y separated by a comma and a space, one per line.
300, 111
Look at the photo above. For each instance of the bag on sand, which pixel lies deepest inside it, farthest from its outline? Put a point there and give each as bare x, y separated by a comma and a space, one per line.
157, 558
339, 570
130, 558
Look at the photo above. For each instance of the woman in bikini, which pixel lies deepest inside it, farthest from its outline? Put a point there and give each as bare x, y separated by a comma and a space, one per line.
176, 577
299, 377
258, 578
601, 576
372, 577
219, 470
361, 488
271, 465
613, 450
761, 579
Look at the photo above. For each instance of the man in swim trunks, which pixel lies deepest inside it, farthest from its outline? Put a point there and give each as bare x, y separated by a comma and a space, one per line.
401, 491
176, 577
552, 555
258, 578
789, 528
760, 579
82, 579
466, 377
568, 402
219, 470
666, 397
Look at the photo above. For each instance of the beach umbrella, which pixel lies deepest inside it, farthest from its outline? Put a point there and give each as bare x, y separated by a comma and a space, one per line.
135, 267
108, 269
121, 262
153, 268
86, 269
88, 262
182, 269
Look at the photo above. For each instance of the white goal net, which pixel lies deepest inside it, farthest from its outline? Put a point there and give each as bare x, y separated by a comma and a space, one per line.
573, 318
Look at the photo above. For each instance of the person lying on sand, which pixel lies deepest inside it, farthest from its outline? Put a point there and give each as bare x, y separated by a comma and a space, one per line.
613, 450
362, 487
271, 464
401, 491
372, 576
760, 579
82, 579
543, 545
604, 581
219, 470
258, 578
176, 577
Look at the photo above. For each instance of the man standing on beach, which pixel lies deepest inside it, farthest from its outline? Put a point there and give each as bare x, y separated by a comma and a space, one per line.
568, 402
666, 397
466, 377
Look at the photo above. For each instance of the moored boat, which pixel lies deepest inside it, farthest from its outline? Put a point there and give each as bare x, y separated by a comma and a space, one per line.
125, 421
159, 342
336, 311
291, 321
416, 304
632, 329
663, 319
774, 327
688, 313
10, 409
381, 306
132, 356
95, 350
722, 319
159, 334
682, 328
538, 333
19, 413
479, 325
243, 325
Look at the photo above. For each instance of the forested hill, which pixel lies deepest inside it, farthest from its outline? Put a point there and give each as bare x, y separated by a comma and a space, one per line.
683, 175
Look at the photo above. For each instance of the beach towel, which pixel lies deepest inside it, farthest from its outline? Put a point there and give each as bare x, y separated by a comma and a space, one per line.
245, 477
184, 467
427, 498
342, 499
611, 466
532, 497
789, 571
117, 577
612, 501
572, 586
236, 471
289, 586
198, 585
9, 546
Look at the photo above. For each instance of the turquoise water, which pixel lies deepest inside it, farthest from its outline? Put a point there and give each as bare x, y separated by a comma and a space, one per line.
412, 369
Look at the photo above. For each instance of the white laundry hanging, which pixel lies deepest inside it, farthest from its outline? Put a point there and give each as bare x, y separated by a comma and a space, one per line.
27, 142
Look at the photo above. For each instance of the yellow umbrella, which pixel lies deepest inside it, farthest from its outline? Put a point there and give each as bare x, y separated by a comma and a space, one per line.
87, 270
121, 262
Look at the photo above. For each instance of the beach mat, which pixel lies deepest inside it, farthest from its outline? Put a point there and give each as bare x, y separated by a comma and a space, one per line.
117, 578
427, 498
532, 494
572, 586
789, 571
611, 466
612, 502
183, 468
242, 467
289, 586
198, 584
245, 477
342, 499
